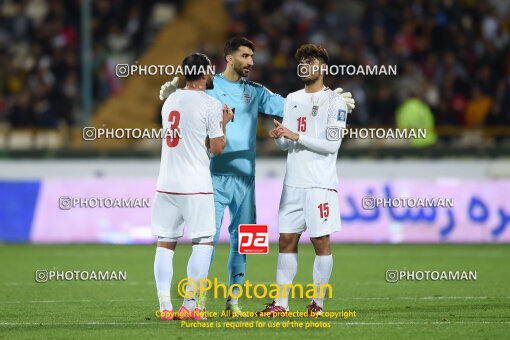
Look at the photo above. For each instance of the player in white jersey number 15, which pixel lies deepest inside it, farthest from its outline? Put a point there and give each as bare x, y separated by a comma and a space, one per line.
184, 191
310, 132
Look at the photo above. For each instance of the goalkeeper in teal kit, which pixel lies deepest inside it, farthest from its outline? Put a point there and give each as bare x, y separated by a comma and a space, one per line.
233, 172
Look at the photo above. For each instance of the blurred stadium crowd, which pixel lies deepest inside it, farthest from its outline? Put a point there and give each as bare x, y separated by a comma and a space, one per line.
40, 55
451, 55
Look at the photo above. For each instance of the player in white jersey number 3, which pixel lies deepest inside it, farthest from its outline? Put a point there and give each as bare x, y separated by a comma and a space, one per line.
192, 121
310, 132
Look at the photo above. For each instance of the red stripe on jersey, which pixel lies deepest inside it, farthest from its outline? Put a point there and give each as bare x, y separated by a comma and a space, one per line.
326, 89
183, 193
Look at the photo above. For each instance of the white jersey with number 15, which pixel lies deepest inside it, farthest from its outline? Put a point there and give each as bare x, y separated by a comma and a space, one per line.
321, 116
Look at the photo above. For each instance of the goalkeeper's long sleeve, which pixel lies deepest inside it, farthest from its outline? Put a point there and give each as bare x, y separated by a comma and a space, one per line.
323, 146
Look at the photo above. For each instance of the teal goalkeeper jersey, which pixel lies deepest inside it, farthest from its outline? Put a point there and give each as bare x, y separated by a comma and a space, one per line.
248, 99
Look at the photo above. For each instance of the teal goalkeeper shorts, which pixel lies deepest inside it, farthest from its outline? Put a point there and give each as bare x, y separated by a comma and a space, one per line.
238, 194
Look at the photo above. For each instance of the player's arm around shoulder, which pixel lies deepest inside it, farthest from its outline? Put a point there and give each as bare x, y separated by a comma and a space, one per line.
217, 120
270, 103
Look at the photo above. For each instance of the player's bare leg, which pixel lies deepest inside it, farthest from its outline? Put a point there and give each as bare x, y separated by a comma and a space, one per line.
322, 268
163, 272
286, 270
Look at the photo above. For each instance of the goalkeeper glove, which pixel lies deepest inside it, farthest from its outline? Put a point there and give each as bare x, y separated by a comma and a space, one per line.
347, 96
168, 88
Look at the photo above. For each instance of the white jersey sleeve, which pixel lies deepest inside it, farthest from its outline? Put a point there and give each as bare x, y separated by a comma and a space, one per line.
337, 113
214, 119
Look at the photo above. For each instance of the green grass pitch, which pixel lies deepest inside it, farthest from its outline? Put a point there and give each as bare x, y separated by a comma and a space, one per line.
126, 309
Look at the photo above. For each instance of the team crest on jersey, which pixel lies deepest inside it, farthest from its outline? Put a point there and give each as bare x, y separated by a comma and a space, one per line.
247, 98
341, 115
315, 109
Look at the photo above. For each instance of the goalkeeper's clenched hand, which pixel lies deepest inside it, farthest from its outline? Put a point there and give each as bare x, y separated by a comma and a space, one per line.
347, 96
168, 88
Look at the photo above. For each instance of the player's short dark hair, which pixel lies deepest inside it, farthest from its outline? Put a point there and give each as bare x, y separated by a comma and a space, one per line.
201, 63
234, 43
310, 51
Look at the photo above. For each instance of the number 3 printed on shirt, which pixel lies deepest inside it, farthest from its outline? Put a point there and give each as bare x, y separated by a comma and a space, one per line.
174, 117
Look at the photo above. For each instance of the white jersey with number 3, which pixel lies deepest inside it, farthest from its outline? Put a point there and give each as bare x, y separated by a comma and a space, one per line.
319, 116
188, 117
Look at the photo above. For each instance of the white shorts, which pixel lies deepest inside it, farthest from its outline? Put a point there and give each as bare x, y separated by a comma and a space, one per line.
313, 208
171, 211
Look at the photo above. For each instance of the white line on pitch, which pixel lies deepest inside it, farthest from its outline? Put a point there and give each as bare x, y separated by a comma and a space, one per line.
390, 323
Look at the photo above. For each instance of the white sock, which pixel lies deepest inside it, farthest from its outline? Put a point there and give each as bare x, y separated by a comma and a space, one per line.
198, 268
321, 273
163, 271
286, 269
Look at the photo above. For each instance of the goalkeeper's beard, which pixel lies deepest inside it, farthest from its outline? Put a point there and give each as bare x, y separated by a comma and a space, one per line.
241, 71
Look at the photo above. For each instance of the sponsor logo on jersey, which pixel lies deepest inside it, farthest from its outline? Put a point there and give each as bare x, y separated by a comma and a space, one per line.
315, 108
341, 115
247, 98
